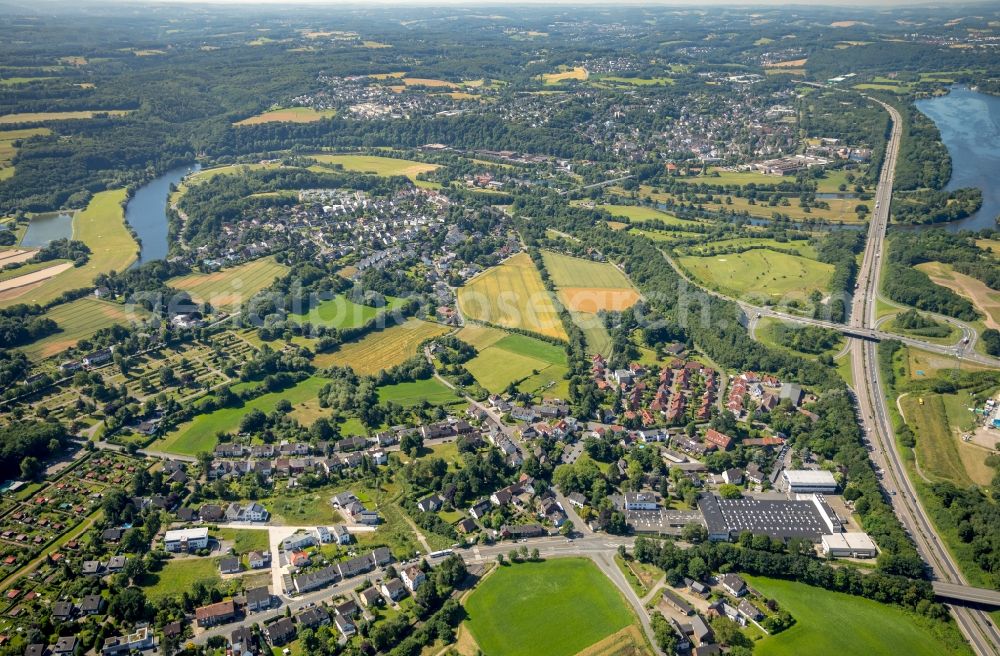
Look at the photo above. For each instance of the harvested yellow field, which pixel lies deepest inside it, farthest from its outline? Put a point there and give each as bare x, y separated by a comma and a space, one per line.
38, 117
791, 63
289, 115
378, 165
512, 295
588, 286
14, 256
577, 73
41, 275
375, 45
480, 337
384, 349
594, 299
229, 288
428, 82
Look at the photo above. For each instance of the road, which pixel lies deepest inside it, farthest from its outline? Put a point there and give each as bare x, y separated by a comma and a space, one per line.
977, 626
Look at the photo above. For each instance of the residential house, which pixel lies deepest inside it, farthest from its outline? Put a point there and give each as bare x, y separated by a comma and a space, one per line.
259, 559
229, 565
733, 584
345, 625
140, 640
280, 632
92, 604
218, 613
312, 618
370, 597
393, 589
412, 577
259, 599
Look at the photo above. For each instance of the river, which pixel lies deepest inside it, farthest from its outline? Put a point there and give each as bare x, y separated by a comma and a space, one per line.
146, 213
969, 122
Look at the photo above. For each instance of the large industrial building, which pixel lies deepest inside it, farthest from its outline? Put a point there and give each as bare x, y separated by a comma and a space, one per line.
810, 481
849, 545
808, 517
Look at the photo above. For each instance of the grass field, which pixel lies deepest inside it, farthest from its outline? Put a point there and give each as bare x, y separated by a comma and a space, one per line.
228, 288
538, 364
760, 272
383, 349
862, 626
78, 320
180, 575
636, 81
941, 453
341, 312
198, 434
577, 73
407, 394
641, 213
244, 540
513, 611
986, 300
715, 176
102, 227
596, 335
802, 247
8, 149
386, 166
289, 115
480, 337
40, 117
588, 286
512, 295
428, 82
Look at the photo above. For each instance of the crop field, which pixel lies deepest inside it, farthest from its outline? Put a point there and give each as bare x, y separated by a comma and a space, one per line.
594, 333
32, 274
517, 358
588, 286
480, 337
863, 626
386, 166
415, 393
102, 227
198, 434
289, 115
986, 300
760, 272
512, 295
577, 73
39, 117
228, 288
383, 349
637, 81
511, 612
428, 82
641, 213
341, 312
78, 320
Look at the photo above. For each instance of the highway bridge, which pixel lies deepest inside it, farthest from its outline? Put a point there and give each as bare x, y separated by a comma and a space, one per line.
955, 593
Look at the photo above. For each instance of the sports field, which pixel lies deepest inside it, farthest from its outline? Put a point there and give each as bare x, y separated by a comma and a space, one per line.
515, 358
408, 394
986, 300
228, 288
760, 272
377, 165
78, 320
588, 286
289, 115
341, 312
198, 434
511, 295
381, 350
557, 607
862, 626
102, 227
38, 117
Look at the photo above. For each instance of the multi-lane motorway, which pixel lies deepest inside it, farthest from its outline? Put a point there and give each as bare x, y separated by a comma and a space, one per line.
976, 625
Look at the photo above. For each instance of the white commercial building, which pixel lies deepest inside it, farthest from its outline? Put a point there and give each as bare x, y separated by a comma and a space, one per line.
807, 481
849, 545
187, 539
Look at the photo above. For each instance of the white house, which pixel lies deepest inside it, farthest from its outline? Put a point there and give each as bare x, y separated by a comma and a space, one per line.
187, 539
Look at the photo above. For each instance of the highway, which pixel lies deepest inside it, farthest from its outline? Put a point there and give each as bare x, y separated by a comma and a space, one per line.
977, 626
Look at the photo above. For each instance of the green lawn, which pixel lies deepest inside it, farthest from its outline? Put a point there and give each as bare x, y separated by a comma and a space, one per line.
725, 178
341, 312
198, 434
641, 213
181, 575
518, 357
406, 394
557, 608
244, 540
835, 624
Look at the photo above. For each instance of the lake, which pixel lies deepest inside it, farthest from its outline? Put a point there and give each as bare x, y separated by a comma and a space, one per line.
46, 227
146, 212
969, 122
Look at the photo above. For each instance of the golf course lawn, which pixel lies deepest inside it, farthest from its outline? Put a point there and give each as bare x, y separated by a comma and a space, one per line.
834, 624
762, 272
557, 608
